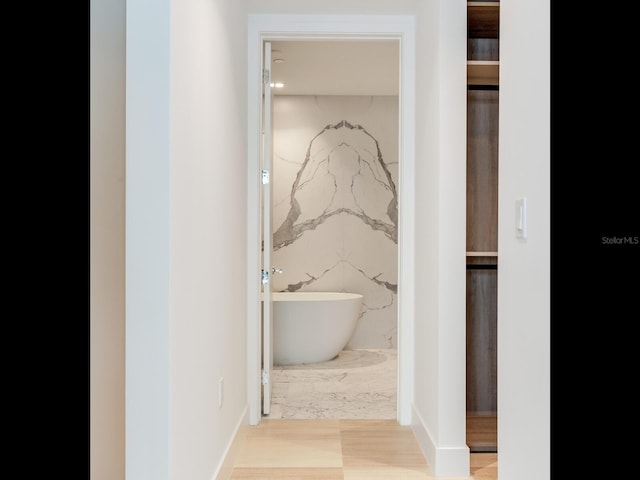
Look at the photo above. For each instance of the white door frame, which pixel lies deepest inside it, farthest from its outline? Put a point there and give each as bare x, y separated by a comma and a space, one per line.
296, 27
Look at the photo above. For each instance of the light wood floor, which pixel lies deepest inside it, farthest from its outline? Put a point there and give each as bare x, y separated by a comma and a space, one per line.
339, 450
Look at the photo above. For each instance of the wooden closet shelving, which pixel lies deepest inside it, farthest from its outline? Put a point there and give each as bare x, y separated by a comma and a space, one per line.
483, 36
483, 62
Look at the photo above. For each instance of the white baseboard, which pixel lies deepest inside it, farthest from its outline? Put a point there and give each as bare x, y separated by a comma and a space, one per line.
444, 461
225, 468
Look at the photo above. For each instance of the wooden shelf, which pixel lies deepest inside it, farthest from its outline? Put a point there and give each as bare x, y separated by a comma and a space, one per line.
483, 41
483, 72
482, 254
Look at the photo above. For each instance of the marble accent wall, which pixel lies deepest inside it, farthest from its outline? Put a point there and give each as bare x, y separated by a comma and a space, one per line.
335, 213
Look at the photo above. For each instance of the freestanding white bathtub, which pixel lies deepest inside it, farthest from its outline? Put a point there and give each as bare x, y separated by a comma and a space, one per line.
311, 327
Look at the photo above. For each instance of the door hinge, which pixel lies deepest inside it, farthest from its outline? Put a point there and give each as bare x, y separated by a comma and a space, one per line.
265, 277
266, 75
265, 177
265, 378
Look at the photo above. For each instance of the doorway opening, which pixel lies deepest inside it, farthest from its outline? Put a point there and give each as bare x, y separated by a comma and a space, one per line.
334, 184
355, 172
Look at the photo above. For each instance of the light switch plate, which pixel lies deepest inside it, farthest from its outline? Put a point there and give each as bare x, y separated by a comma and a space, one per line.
521, 218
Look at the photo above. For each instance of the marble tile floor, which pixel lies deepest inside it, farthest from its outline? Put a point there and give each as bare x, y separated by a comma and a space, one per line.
357, 384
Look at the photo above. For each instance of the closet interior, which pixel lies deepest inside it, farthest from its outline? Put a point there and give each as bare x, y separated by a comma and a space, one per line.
483, 54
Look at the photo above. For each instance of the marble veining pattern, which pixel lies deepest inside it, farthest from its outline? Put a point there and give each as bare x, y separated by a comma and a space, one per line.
336, 204
336, 178
358, 384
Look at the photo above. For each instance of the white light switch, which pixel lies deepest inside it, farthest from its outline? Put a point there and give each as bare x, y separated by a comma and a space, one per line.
521, 218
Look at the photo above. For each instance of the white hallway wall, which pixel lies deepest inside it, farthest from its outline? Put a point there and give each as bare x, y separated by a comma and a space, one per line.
523, 364
439, 403
524, 348
186, 235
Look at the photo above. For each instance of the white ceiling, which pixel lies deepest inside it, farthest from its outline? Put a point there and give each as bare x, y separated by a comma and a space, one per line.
336, 67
